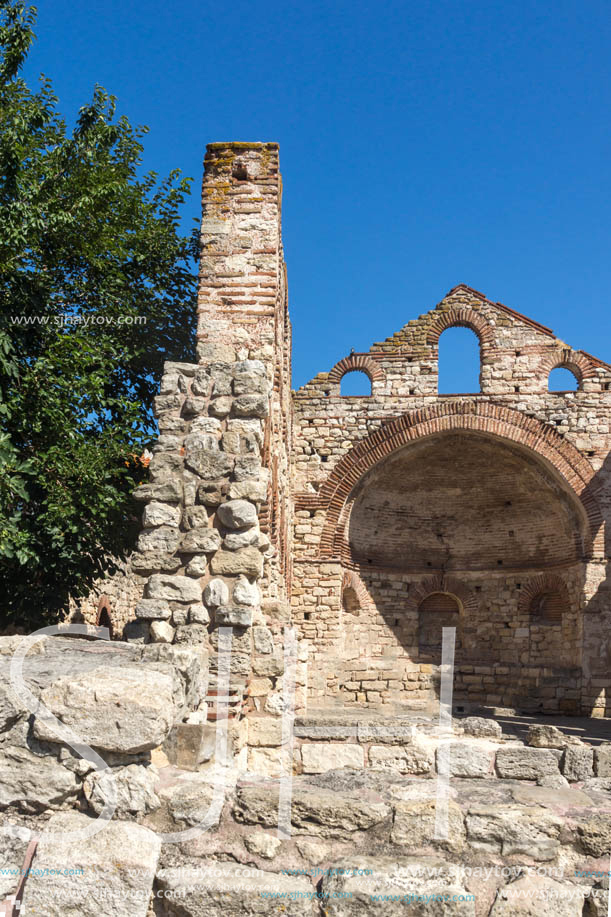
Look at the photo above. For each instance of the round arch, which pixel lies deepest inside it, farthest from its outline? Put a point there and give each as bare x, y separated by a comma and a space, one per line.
461, 318
442, 583
356, 362
566, 461
575, 362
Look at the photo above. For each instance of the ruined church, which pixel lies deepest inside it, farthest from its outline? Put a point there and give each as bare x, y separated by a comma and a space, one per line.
368, 523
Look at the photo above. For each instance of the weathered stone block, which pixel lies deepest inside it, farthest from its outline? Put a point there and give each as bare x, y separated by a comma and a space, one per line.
508, 830
246, 593
314, 811
481, 727
161, 632
231, 563
232, 893
578, 762
160, 514
269, 665
216, 593
318, 757
237, 514
602, 760
123, 709
525, 763
173, 588
153, 609
113, 871
209, 463
414, 826
134, 786
251, 406
468, 760
234, 615
539, 896
422, 886
201, 539
414, 758
163, 540
264, 730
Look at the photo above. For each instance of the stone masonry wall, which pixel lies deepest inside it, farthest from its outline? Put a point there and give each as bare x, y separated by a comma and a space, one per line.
566, 438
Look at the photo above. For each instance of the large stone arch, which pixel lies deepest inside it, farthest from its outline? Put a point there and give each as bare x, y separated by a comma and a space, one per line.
566, 461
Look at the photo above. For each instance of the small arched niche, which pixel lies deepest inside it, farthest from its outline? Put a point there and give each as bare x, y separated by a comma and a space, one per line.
459, 361
103, 615
547, 607
355, 383
563, 379
436, 611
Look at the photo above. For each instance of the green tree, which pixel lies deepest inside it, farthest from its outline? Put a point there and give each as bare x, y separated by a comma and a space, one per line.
97, 290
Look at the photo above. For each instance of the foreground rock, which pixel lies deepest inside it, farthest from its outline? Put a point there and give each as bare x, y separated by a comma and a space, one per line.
126, 710
33, 779
395, 888
508, 830
118, 867
234, 891
539, 896
134, 786
314, 811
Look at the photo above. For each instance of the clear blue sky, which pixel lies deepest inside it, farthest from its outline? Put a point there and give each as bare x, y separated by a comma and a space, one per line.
422, 144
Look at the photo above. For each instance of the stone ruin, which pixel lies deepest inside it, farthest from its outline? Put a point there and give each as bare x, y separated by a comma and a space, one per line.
330, 539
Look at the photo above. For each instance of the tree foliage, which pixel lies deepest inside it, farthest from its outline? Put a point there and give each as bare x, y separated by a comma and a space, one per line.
97, 290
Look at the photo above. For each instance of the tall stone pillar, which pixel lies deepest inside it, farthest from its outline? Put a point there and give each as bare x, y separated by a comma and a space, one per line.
214, 540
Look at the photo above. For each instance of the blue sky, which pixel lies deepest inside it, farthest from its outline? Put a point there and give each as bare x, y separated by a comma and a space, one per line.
422, 145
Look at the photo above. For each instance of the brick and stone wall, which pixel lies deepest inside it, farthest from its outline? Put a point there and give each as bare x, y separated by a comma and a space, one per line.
370, 522
500, 495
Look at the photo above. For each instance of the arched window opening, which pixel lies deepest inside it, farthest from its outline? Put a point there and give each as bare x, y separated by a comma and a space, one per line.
562, 379
547, 608
103, 618
350, 601
355, 383
459, 361
436, 611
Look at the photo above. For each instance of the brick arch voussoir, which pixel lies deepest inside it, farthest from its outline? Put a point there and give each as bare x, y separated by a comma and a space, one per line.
462, 318
352, 580
563, 358
357, 362
485, 417
544, 582
443, 583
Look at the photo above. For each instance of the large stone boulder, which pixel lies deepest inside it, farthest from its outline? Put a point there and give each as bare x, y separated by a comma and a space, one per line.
507, 830
134, 786
539, 896
521, 763
481, 727
126, 709
314, 811
371, 886
232, 890
414, 826
173, 588
318, 757
33, 779
111, 872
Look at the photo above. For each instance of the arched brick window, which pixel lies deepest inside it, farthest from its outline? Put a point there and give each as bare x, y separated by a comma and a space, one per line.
564, 379
436, 611
103, 618
355, 382
547, 607
459, 361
